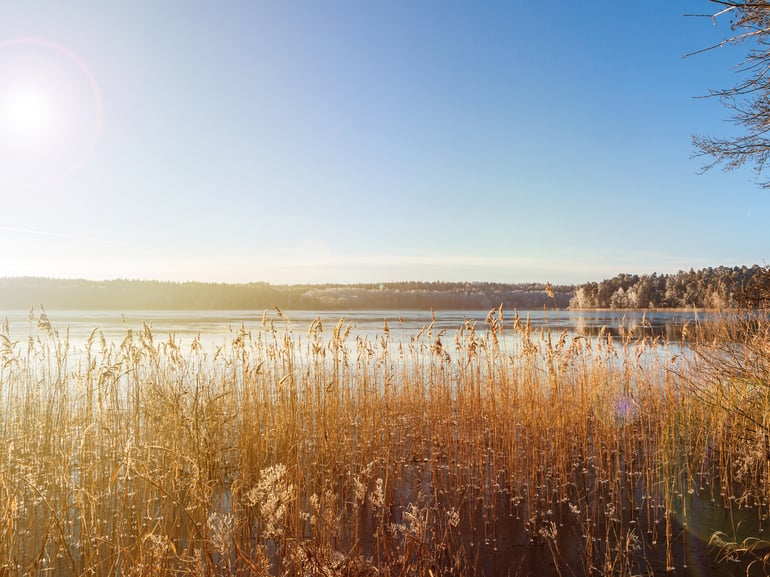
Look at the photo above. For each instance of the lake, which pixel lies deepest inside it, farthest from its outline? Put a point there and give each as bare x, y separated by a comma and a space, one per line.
216, 327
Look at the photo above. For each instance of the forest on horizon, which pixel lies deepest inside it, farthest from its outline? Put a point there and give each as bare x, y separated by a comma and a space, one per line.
714, 288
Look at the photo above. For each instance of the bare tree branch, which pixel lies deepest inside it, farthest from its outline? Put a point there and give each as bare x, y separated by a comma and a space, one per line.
749, 99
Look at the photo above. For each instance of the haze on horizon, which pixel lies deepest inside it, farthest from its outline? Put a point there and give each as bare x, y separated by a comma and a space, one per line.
365, 142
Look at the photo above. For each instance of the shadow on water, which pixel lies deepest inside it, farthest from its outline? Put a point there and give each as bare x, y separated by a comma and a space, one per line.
502, 534
511, 531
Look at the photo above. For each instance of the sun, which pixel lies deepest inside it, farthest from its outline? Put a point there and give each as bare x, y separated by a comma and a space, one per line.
50, 113
26, 116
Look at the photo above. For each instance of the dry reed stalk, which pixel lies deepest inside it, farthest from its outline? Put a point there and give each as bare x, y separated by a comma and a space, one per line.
279, 453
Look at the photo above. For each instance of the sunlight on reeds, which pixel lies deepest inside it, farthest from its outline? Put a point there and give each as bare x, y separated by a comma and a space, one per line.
320, 452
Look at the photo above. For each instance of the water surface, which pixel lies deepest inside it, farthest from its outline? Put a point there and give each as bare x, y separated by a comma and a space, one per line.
216, 327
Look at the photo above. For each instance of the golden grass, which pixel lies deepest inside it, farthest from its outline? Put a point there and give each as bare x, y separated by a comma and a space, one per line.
323, 453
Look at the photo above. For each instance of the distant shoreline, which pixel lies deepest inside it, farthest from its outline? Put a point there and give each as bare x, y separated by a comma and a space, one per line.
23, 293
712, 290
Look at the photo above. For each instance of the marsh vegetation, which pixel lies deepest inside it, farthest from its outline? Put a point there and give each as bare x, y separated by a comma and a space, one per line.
494, 449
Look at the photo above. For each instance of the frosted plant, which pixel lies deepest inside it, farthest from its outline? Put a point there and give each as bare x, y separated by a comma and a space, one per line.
633, 543
748, 462
315, 506
377, 497
309, 559
307, 518
360, 489
155, 550
548, 531
324, 512
453, 518
329, 512
157, 545
416, 521
220, 532
272, 495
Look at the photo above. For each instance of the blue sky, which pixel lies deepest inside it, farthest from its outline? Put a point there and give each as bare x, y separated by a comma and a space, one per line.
366, 141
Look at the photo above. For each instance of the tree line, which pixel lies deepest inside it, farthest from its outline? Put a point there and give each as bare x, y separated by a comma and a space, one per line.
23, 293
713, 288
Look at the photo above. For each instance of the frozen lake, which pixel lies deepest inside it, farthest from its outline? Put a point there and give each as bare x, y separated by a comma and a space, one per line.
216, 327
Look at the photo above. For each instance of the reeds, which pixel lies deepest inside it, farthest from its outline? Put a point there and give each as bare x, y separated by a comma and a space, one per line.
323, 453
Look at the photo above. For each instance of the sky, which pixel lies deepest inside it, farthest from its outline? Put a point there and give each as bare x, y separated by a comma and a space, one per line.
348, 141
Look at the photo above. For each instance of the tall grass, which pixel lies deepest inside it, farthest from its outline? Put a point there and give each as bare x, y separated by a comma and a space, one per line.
316, 451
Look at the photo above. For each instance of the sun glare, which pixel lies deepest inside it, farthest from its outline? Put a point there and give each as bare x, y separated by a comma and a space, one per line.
26, 116
50, 112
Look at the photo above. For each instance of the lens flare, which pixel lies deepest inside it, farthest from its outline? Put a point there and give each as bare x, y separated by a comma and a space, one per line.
51, 112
